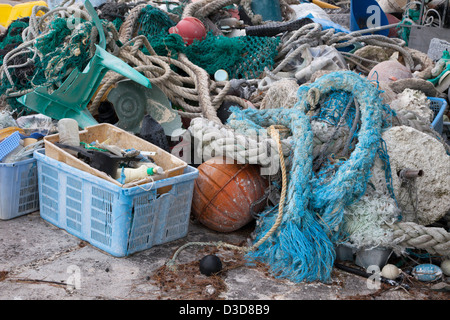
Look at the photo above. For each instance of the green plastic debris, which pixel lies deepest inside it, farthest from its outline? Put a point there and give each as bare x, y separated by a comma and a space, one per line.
70, 100
445, 64
132, 102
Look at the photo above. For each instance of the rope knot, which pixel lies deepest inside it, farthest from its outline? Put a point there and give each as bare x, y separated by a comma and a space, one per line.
313, 97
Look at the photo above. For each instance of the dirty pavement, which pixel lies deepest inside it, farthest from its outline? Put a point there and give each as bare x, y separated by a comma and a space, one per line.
265, 150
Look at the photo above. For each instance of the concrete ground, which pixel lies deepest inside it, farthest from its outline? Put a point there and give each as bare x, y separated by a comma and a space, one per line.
39, 261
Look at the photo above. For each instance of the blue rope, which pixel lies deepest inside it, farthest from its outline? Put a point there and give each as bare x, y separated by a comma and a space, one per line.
302, 248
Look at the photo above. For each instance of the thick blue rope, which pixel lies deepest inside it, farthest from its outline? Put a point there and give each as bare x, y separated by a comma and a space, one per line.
302, 248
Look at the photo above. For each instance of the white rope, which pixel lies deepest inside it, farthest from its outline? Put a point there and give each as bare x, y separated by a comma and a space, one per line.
217, 140
413, 235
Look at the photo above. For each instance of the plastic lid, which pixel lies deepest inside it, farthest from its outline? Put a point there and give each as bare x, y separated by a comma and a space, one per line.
152, 171
221, 75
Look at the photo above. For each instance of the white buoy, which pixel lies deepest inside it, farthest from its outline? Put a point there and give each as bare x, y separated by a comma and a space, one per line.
390, 271
445, 267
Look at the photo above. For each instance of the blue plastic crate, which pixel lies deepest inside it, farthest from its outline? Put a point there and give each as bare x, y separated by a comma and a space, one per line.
438, 106
18, 189
9, 144
119, 221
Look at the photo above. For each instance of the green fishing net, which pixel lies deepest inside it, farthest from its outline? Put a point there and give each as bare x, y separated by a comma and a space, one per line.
12, 37
64, 50
241, 57
153, 21
154, 24
50, 59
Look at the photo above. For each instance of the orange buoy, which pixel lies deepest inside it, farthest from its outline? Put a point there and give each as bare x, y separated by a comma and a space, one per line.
189, 29
224, 194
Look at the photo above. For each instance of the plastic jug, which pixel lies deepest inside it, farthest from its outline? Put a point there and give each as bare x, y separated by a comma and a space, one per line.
132, 174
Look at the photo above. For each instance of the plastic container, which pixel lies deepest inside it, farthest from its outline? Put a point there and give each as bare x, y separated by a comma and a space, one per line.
9, 144
116, 220
372, 257
438, 105
10, 13
68, 132
6, 132
18, 189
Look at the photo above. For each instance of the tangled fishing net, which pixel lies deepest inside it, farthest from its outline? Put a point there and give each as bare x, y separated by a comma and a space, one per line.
45, 54
368, 222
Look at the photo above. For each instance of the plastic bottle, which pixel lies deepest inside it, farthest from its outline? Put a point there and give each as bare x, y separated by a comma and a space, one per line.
156, 169
132, 174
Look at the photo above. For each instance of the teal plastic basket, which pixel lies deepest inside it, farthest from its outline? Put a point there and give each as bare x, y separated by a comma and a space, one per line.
18, 189
119, 221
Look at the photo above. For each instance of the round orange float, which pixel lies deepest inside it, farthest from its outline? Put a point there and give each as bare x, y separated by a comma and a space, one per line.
189, 29
224, 194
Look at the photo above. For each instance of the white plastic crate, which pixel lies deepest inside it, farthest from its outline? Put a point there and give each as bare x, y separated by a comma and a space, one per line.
119, 221
18, 189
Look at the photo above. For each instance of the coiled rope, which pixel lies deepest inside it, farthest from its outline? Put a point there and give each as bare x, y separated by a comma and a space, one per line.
413, 235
